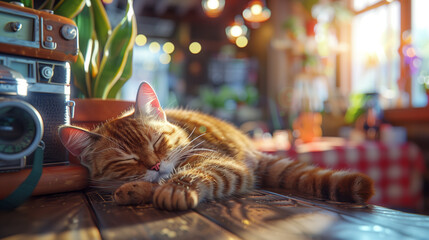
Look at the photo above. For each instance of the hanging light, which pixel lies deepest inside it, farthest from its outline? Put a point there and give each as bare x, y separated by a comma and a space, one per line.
236, 29
256, 11
213, 8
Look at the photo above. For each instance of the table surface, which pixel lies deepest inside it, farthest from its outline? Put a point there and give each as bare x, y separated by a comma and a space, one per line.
262, 214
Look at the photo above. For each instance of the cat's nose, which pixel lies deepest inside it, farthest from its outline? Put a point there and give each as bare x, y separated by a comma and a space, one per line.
155, 167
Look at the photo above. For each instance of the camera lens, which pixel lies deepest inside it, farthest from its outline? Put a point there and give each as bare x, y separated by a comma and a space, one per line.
12, 124
21, 129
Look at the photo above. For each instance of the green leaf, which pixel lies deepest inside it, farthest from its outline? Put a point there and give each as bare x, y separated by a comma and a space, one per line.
85, 25
95, 59
126, 74
101, 22
69, 8
79, 74
27, 3
48, 4
116, 53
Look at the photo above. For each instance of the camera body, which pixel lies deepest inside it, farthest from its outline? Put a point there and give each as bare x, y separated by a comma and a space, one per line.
35, 50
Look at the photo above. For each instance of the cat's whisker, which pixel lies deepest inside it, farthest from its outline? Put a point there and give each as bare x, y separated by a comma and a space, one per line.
100, 151
192, 132
203, 149
181, 152
193, 140
109, 185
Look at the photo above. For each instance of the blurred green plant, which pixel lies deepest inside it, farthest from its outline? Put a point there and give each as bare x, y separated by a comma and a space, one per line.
104, 63
216, 99
357, 107
293, 27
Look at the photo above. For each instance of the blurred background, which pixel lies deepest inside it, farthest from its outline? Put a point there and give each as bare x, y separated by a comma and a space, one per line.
343, 84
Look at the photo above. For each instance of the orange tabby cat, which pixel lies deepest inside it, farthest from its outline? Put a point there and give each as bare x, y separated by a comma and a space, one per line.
178, 158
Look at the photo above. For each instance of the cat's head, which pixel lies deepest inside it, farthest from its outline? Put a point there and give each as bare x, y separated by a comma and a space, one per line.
129, 147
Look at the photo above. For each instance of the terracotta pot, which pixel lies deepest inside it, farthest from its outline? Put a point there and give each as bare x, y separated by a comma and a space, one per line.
91, 112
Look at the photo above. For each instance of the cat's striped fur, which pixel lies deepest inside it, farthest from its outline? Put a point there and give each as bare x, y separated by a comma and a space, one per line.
179, 158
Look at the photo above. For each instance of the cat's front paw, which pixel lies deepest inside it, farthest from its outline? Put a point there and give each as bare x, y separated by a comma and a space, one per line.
133, 193
175, 196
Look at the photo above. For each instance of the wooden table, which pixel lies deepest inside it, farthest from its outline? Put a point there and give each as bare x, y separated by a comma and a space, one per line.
263, 214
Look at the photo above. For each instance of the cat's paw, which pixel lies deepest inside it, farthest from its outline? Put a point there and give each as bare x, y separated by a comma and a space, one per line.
133, 193
174, 196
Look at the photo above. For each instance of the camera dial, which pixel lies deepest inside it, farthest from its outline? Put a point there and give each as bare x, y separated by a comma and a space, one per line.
21, 129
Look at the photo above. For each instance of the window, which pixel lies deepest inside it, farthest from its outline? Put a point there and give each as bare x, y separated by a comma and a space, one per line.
390, 51
375, 58
420, 60
359, 5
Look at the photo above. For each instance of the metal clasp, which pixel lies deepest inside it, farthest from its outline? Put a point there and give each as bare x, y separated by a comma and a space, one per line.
70, 105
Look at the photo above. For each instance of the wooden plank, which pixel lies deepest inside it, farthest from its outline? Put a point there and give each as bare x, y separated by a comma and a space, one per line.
395, 224
58, 216
265, 215
146, 222
262, 216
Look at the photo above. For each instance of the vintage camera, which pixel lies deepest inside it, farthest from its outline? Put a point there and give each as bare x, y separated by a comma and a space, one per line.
35, 50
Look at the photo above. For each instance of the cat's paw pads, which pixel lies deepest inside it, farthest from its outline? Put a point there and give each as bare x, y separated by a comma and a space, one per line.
173, 196
133, 193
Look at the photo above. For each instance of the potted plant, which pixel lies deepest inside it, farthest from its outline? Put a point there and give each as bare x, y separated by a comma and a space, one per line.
104, 63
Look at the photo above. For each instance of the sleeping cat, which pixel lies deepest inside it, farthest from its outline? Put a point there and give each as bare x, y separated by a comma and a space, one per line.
178, 158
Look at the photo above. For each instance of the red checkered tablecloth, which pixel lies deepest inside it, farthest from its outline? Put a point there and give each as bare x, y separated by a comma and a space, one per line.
396, 169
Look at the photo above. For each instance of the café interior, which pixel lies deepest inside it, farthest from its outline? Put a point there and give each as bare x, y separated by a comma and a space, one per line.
339, 84
342, 84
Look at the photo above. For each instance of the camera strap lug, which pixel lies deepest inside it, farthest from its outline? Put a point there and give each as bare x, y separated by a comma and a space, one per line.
70, 105
26, 188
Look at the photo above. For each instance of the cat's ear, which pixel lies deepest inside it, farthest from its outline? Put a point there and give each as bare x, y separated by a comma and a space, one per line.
74, 139
147, 103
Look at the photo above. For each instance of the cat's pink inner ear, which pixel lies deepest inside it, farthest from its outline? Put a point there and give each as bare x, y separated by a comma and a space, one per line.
74, 139
147, 102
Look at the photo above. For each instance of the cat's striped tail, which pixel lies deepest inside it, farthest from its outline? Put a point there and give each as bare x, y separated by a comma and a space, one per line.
341, 186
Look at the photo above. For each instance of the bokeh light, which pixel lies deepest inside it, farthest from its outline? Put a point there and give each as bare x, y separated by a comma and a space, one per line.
141, 40
195, 47
168, 47
165, 58
236, 31
154, 47
241, 41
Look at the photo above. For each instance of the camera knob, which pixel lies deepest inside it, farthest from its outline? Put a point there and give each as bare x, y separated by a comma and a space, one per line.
69, 32
48, 11
18, 3
15, 26
47, 72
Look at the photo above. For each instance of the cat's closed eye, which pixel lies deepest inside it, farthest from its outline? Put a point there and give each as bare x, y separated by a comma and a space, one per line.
158, 141
131, 160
